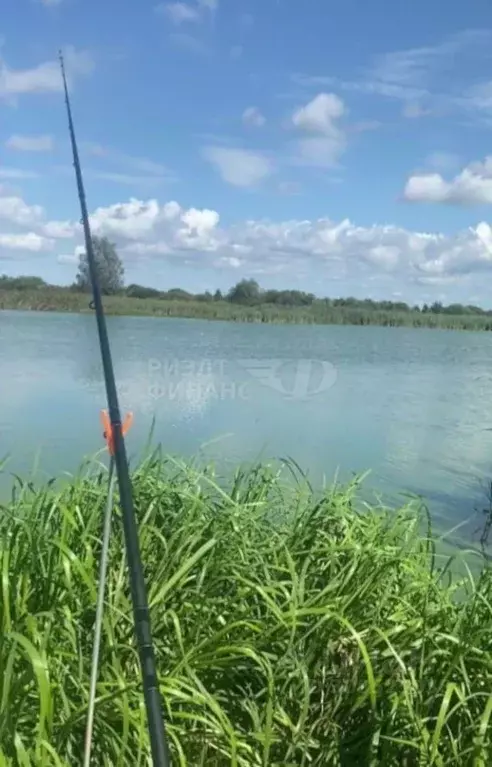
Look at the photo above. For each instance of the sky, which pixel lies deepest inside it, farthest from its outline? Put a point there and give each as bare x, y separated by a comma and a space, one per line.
342, 147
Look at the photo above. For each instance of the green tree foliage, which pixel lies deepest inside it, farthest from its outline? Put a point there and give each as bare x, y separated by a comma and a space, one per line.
178, 294
109, 268
139, 291
245, 292
245, 302
21, 283
288, 298
207, 296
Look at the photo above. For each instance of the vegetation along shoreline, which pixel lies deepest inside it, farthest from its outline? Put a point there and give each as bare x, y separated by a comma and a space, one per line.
244, 302
290, 627
22, 294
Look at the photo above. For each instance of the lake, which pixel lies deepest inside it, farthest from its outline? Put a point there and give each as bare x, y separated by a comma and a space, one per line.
414, 406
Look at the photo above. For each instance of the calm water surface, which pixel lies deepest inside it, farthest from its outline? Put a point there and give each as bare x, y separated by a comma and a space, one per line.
414, 406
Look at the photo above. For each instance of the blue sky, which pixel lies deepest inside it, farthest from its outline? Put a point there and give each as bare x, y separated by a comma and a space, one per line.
340, 147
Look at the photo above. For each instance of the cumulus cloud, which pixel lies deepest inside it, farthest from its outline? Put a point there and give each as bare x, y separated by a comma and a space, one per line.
44, 77
473, 186
30, 143
253, 116
239, 167
148, 230
318, 116
14, 210
26, 228
31, 242
327, 140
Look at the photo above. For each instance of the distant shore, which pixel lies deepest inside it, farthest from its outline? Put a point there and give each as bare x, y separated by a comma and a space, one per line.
62, 300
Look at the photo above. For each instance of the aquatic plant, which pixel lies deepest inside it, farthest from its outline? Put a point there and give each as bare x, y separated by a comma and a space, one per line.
291, 627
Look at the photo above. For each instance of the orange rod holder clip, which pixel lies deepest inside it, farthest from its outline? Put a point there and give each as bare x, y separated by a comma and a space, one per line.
108, 429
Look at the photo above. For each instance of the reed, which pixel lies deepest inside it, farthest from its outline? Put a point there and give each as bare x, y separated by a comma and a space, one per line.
291, 627
63, 300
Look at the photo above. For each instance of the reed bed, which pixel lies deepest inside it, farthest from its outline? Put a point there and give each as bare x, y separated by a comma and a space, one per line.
291, 627
63, 300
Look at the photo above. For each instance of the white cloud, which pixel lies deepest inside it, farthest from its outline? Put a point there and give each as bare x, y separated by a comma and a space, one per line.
321, 151
331, 250
427, 80
142, 164
45, 77
30, 143
125, 169
179, 13
16, 211
59, 230
31, 242
416, 69
146, 229
36, 233
319, 117
253, 116
150, 230
12, 174
125, 179
473, 186
131, 220
239, 167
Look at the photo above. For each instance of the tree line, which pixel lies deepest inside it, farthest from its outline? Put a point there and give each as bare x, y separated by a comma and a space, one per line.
246, 292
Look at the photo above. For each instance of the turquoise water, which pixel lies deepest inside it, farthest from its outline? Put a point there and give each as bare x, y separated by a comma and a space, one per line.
414, 406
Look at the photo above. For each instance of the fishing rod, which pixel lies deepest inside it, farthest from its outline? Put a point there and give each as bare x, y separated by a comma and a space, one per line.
141, 615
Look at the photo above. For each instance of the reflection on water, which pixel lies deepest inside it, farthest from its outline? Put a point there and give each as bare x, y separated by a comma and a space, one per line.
412, 405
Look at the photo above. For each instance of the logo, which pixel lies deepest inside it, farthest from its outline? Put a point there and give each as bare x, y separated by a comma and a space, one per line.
294, 379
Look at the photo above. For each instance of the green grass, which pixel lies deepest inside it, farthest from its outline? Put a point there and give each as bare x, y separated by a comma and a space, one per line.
291, 628
63, 300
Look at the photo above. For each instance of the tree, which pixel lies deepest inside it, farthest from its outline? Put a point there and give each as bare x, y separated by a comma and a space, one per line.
140, 291
21, 283
178, 294
245, 292
436, 307
109, 268
218, 295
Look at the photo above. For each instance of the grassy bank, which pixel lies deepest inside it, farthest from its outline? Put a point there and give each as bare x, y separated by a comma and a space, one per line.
289, 629
63, 300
